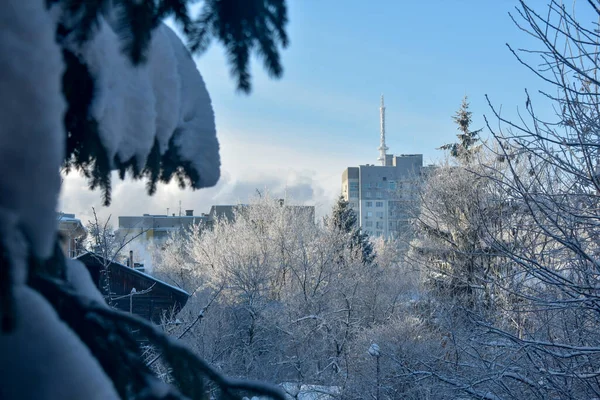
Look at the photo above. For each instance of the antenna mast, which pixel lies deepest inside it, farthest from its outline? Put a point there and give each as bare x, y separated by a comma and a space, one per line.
382, 147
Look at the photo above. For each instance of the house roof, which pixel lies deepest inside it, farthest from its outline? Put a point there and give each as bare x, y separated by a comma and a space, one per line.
99, 259
68, 224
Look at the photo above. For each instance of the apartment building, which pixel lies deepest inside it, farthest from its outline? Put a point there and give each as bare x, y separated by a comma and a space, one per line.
384, 196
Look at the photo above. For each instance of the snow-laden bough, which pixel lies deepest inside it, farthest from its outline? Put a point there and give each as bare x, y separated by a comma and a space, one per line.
163, 102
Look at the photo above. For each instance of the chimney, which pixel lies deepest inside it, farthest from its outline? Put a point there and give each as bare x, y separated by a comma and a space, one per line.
131, 259
189, 213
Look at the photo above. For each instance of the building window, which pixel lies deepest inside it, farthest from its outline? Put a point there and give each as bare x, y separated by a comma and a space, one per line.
391, 225
379, 204
379, 184
369, 214
367, 194
353, 186
369, 224
353, 193
378, 225
378, 195
369, 204
369, 185
379, 234
379, 214
393, 185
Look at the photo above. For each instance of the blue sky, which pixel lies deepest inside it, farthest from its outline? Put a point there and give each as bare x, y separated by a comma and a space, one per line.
301, 131
423, 57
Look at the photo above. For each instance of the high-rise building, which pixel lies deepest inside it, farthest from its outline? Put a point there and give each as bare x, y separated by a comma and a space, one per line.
384, 195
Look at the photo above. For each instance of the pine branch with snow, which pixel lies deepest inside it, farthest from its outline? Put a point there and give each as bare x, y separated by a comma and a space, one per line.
107, 333
128, 107
98, 86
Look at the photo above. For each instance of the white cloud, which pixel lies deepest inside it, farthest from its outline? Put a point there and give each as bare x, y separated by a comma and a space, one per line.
256, 153
310, 178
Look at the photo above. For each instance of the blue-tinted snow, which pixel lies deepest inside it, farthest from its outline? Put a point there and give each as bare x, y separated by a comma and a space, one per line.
31, 120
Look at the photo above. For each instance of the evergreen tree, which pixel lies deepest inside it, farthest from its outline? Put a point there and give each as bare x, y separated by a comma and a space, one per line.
467, 144
89, 350
344, 219
243, 27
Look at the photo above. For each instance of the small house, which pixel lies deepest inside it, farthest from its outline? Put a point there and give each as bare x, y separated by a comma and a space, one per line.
132, 290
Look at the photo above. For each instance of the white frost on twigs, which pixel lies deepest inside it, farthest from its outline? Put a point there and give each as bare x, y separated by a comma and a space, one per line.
44, 359
318, 392
31, 120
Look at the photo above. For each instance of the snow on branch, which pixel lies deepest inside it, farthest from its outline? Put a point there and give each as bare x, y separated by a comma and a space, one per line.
104, 330
153, 119
31, 128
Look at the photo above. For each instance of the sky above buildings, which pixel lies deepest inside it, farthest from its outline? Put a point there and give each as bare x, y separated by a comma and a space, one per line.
297, 134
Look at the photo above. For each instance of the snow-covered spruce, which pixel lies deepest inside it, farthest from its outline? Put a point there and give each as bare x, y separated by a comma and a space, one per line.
44, 359
163, 101
31, 121
195, 138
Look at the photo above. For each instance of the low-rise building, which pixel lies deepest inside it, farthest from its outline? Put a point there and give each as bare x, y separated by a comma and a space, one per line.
228, 212
72, 234
156, 228
132, 290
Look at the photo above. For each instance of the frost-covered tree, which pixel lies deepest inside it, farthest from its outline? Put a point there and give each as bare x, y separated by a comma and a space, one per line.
461, 211
287, 309
559, 269
100, 86
467, 146
102, 239
539, 342
343, 218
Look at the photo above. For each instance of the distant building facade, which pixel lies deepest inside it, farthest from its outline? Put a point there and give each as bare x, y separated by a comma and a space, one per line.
157, 228
383, 196
228, 212
72, 233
